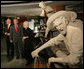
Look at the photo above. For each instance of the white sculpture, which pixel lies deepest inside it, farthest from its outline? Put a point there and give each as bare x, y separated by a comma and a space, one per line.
66, 23
45, 9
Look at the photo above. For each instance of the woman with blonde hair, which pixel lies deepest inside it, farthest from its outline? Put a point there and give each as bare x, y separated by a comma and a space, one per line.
27, 39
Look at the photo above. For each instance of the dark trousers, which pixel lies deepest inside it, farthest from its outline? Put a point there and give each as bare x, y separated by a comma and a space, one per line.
28, 48
18, 46
10, 48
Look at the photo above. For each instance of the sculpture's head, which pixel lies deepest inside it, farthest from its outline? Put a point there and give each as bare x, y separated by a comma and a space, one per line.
46, 9
61, 25
60, 22
42, 5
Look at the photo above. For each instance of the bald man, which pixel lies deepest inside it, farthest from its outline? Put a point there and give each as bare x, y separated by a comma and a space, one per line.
10, 46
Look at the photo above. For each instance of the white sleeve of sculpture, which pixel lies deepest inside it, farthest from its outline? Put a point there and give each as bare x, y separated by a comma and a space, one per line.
51, 42
76, 49
77, 42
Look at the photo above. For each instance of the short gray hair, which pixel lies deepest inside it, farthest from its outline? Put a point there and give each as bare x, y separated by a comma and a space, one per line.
26, 23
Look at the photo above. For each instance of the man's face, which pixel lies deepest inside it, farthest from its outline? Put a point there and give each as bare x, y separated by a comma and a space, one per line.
8, 21
15, 21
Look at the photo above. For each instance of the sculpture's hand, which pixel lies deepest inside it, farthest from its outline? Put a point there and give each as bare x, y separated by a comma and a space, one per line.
52, 59
34, 54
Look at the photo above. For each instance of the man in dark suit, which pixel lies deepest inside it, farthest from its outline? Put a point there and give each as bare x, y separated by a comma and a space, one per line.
10, 46
16, 35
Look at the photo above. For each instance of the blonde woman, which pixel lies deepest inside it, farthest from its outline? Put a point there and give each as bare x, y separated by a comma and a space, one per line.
27, 39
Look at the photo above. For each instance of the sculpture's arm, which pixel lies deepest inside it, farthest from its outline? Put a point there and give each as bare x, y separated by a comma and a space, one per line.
52, 42
42, 13
46, 32
59, 60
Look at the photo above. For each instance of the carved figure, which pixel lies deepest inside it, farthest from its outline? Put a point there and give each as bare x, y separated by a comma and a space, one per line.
71, 33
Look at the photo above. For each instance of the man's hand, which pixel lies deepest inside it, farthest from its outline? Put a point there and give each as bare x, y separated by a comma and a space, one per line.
34, 54
8, 34
11, 41
5, 33
52, 59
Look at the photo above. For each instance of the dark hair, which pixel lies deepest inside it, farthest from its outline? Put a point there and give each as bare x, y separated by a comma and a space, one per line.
15, 19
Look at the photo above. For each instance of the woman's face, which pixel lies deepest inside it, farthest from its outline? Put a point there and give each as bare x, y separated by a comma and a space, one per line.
25, 25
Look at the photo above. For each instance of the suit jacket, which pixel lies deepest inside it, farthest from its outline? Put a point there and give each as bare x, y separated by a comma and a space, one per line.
7, 30
16, 35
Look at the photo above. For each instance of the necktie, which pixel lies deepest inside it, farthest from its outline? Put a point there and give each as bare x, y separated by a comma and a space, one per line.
8, 27
16, 28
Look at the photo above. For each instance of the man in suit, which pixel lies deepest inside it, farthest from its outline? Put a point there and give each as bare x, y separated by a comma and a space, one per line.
10, 46
16, 35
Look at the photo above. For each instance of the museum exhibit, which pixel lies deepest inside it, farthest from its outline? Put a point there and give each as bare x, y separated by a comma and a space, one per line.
41, 34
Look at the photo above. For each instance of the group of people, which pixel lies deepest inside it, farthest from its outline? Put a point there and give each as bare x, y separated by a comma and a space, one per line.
19, 40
